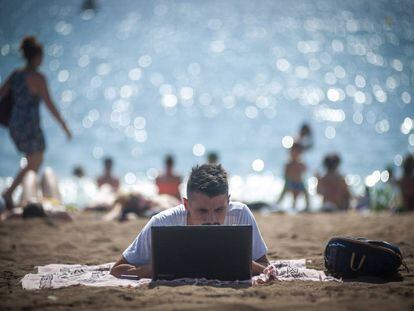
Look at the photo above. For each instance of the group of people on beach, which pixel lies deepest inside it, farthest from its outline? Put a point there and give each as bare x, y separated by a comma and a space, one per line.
332, 185
27, 87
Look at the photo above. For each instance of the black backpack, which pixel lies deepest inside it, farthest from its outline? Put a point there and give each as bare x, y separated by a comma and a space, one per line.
349, 257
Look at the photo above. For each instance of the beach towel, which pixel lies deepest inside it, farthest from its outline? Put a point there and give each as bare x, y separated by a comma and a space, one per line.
61, 275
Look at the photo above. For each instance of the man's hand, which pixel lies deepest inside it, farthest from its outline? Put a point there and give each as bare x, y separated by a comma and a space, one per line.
257, 268
259, 265
123, 268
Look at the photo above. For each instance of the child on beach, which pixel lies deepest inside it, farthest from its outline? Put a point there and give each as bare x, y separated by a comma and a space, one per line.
332, 186
294, 171
305, 137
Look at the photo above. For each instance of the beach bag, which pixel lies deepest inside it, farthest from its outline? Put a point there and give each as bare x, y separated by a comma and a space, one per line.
349, 257
6, 106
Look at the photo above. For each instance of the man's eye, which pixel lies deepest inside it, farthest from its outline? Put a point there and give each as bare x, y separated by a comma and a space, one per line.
202, 211
219, 210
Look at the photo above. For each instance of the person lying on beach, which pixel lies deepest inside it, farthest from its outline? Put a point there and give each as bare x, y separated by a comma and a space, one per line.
128, 205
35, 202
107, 177
332, 186
294, 171
207, 203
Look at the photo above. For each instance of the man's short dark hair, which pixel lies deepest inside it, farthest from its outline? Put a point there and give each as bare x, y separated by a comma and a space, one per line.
208, 179
169, 160
108, 162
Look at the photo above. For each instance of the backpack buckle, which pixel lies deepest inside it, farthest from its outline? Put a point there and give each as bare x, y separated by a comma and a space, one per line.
361, 262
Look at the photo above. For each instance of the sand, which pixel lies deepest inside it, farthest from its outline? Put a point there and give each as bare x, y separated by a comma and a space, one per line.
24, 245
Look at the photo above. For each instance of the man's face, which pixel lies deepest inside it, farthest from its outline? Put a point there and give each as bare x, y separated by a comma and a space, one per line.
203, 210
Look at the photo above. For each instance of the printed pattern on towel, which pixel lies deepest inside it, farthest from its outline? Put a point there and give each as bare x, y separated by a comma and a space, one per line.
60, 275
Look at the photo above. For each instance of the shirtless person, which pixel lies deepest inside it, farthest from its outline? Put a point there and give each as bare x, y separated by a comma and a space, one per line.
207, 203
294, 171
107, 177
332, 186
169, 182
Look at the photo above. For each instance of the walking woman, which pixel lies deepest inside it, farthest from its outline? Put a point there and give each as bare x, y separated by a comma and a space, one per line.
28, 86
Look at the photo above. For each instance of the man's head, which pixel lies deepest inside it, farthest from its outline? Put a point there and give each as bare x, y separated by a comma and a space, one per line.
207, 195
108, 163
169, 161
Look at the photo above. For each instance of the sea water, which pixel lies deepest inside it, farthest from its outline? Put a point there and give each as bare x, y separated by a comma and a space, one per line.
136, 80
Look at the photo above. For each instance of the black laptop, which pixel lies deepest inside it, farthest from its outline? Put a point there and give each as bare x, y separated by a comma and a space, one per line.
211, 252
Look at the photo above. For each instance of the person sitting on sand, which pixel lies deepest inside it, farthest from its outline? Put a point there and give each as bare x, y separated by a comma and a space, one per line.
332, 186
294, 171
169, 182
107, 177
207, 203
44, 202
406, 183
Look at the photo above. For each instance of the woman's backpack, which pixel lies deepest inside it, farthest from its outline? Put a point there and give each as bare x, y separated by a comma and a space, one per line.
349, 257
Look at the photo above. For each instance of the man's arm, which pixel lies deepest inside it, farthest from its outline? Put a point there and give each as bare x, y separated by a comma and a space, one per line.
124, 268
259, 265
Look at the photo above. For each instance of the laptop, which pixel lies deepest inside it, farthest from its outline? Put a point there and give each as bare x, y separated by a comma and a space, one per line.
212, 252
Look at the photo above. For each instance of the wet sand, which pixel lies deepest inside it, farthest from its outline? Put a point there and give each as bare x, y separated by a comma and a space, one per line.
24, 245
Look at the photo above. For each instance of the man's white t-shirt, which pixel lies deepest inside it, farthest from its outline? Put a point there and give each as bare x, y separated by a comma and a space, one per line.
139, 252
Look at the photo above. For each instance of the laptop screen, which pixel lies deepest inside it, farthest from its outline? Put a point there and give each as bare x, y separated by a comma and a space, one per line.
211, 252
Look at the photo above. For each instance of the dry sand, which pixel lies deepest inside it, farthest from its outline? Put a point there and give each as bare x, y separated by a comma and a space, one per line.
24, 245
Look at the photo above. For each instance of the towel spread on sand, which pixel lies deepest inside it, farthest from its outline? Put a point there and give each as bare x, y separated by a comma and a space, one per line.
60, 275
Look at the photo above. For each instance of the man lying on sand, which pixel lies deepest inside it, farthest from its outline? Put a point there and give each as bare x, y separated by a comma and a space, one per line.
207, 203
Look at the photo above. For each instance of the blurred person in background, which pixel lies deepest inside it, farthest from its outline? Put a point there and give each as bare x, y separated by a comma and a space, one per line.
305, 138
332, 186
28, 86
169, 182
406, 183
294, 174
107, 177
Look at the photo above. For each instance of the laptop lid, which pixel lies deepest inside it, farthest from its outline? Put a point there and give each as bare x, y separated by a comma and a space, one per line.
211, 252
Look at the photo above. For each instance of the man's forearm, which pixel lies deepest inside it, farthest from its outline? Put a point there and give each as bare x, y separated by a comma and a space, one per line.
127, 269
257, 268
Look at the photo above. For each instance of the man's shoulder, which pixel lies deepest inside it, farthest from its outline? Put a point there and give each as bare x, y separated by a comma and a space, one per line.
235, 206
171, 216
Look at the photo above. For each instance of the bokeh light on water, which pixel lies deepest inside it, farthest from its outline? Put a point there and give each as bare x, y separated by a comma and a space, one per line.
138, 79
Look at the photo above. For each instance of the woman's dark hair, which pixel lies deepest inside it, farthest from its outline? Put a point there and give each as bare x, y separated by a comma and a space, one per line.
30, 48
208, 179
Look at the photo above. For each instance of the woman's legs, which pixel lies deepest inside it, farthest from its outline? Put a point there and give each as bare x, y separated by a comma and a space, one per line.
50, 187
33, 163
30, 189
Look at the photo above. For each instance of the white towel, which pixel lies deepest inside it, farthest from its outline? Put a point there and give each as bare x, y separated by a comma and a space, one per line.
61, 275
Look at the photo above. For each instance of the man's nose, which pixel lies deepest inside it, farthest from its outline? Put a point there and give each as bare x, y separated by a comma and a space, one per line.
212, 218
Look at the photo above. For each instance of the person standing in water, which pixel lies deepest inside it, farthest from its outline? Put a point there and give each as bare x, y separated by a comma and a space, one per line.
28, 86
